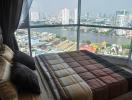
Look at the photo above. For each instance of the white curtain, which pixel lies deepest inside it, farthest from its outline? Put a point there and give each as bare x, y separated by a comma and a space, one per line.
25, 12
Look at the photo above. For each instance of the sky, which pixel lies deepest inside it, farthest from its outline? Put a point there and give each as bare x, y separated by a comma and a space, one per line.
92, 6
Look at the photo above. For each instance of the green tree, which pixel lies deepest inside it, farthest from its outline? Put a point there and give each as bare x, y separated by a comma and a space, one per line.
108, 44
57, 36
88, 42
125, 46
63, 38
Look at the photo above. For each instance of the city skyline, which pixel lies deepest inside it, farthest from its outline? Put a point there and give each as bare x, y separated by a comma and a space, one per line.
108, 41
94, 7
122, 18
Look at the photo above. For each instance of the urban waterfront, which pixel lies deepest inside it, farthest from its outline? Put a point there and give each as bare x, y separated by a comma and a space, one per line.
84, 36
52, 40
107, 41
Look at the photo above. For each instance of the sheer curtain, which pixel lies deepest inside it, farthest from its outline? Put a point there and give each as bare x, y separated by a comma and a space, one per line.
25, 11
10, 14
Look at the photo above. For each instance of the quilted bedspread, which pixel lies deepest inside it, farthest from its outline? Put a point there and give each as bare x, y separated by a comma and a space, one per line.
81, 75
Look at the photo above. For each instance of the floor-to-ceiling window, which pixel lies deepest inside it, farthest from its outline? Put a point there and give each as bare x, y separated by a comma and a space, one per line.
104, 26
53, 40
47, 34
100, 26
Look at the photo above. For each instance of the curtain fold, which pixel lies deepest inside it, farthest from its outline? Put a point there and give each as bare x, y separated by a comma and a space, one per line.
25, 11
10, 12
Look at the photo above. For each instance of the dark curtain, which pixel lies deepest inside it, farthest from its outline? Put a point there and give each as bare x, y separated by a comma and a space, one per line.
10, 12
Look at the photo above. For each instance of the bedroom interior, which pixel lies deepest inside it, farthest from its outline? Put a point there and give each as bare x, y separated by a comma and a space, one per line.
65, 50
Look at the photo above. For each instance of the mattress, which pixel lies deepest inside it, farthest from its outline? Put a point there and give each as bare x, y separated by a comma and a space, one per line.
82, 75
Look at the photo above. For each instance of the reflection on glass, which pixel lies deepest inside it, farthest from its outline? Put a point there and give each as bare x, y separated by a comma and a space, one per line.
22, 40
53, 40
105, 41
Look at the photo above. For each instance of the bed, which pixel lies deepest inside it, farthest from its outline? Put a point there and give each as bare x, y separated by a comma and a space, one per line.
81, 75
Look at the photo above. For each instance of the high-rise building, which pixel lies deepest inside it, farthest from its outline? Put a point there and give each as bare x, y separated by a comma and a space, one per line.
122, 19
87, 15
75, 16
65, 16
34, 16
42, 16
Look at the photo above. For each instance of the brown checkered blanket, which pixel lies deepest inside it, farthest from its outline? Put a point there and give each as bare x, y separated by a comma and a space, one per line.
81, 75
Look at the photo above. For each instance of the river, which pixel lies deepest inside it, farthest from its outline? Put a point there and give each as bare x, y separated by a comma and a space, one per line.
84, 36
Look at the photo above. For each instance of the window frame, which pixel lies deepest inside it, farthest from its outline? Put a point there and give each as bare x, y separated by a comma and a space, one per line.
27, 25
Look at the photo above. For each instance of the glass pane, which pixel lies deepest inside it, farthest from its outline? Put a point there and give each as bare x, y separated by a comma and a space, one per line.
51, 12
105, 41
22, 40
53, 40
107, 12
